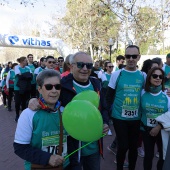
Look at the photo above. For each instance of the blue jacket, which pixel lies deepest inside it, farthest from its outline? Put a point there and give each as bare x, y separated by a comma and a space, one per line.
66, 95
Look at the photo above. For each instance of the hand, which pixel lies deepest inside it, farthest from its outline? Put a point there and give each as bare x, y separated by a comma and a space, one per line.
155, 130
34, 104
56, 160
105, 128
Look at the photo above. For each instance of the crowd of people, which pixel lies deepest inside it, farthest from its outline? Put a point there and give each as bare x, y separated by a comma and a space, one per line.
133, 100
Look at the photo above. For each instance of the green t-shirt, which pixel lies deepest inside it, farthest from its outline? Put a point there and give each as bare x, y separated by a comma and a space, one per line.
11, 79
32, 68
41, 130
93, 147
153, 105
128, 86
167, 70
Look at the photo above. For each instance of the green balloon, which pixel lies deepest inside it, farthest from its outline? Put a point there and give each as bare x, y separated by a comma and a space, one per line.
82, 121
88, 95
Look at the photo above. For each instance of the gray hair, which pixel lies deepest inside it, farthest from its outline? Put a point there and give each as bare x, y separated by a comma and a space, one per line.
46, 74
72, 58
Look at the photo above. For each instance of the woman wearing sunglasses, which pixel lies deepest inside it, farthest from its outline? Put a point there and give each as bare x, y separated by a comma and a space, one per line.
39, 137
154, 102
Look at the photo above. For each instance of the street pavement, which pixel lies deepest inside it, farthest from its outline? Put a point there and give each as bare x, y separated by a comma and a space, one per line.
9, 161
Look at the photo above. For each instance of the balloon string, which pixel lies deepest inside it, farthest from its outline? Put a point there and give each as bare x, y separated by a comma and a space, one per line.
80, 148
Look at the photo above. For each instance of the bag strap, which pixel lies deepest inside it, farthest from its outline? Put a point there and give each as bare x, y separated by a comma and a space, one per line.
61, 134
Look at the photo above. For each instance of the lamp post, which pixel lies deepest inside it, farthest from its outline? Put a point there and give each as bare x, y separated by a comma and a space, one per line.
110, 42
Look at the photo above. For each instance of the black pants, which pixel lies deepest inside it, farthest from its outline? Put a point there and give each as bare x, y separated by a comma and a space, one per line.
5, 97
33, 90
21, 100
11, 94
149, 145
127, 133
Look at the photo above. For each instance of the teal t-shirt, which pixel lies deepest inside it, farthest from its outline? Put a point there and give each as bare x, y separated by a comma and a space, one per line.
18, 71
167, 70
128, 85
105, 79
11, 79
93, 147
32, 68
153, 105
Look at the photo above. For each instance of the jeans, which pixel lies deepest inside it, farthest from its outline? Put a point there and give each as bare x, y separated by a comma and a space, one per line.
149, 145
127, 133
91, 162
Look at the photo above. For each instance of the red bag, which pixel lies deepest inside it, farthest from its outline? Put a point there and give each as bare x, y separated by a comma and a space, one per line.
5, 90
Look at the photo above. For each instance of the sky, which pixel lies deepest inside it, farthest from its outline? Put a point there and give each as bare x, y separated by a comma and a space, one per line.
42, 11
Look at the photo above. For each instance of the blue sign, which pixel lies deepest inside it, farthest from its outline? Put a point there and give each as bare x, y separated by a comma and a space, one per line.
13, 39
29, 41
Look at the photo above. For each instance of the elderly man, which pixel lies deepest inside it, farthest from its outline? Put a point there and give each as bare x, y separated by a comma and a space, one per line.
78, 81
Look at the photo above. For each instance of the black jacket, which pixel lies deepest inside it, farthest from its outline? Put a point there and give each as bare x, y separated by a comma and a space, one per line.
24, 82
66, 95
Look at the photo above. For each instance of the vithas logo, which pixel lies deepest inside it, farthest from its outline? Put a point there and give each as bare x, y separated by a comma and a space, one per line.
13, 39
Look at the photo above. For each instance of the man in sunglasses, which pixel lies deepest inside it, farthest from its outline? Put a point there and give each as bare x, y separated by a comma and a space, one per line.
50, 62
123, 97
72, 84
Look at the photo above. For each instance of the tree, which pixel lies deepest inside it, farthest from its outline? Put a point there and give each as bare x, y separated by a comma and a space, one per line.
88, 24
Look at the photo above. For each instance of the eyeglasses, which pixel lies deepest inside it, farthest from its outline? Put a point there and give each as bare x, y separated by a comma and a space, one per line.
133, 56
50, 86
110, 66
30, 57
60, 60
155, 76
51, 62
81, 65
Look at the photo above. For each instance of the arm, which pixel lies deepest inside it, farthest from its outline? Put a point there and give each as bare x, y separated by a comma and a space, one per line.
33, 155
110, 94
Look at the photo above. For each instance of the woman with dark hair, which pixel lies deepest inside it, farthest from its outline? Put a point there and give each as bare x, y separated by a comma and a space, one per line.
22, 84
154, 102
148, 64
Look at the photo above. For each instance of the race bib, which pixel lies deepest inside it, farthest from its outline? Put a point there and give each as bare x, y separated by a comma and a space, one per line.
50, 144
151, 122
129, 113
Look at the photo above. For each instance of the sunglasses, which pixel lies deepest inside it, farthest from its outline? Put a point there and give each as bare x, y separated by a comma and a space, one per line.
110, 66
50, 86
133, 56
155, 76
81, 65
51, 62
60, 60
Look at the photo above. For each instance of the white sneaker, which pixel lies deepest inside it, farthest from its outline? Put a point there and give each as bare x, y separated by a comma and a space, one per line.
109, 133
141, 152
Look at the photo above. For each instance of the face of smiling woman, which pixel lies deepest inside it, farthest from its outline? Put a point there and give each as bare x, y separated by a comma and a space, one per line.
50, 96
156, 81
